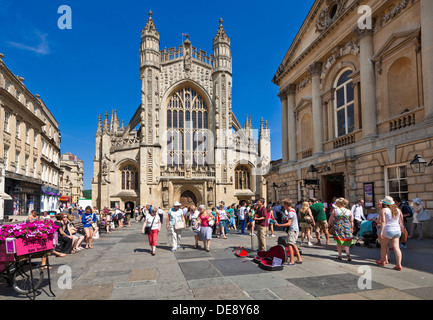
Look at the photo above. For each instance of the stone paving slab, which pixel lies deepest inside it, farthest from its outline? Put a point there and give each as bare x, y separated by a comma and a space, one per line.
199, 270
236, 266
332, 284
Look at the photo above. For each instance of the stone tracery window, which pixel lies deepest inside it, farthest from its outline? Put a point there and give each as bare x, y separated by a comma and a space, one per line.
187, 126
242, 178
344, 105
129, 177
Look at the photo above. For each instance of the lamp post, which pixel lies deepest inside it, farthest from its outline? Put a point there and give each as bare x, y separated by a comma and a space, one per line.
418, 164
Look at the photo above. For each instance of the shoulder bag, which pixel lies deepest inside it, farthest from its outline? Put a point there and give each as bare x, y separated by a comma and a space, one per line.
148, 230
179, 225
423, 215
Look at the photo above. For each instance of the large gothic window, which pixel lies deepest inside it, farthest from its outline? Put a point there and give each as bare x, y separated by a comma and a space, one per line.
344, 105
242, 178
129, 177
187, 126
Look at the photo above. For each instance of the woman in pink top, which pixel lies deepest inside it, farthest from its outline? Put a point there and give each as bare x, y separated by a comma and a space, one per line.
205, 230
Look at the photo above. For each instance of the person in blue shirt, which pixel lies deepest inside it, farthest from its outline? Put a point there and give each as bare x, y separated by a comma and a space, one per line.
88, 219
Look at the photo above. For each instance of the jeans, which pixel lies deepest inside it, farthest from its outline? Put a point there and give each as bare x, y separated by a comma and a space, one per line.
243, 226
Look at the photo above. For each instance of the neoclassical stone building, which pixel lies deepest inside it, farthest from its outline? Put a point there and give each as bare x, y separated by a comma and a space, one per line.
357, 103
29, 149
184, 142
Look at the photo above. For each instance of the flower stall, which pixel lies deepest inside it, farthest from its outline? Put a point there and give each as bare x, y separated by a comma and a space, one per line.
19, 244
28, 237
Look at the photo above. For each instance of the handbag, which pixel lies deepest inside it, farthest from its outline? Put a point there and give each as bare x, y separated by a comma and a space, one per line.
148, 230
179, 225
423, 215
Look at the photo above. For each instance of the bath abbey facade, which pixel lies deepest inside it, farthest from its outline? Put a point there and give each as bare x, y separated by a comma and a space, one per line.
184, 142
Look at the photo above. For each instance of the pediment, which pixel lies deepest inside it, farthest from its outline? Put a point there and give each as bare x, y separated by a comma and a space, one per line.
397, 41
320, 18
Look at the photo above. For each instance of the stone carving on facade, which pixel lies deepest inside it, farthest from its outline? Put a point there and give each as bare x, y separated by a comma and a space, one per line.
392, 12
333, 10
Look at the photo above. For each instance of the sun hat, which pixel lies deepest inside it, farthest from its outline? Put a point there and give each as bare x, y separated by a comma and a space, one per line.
417, 200
176, 204
388, 200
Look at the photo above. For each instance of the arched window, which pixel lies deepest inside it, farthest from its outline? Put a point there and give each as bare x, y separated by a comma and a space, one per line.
242, 178
129, 177
344, 105
187, 124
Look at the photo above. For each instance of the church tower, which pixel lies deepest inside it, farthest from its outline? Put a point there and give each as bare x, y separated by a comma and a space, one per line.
150, 149
222, 82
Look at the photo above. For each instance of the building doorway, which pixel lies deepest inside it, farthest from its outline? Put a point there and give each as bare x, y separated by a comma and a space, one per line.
188, 199
334, 187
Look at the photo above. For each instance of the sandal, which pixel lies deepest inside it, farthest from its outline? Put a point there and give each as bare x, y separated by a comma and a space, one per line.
44, 267
380, 263
398, 268
349, 258
339, 258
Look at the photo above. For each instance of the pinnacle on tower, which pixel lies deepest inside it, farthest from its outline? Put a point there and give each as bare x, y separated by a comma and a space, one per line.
99, 130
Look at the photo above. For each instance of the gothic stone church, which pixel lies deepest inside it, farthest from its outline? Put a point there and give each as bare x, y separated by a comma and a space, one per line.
184, 142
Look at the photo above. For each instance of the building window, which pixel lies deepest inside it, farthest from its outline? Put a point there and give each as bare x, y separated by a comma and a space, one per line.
242, 178
18, 124
7, 117
396, 182
129, 177
187, 124
27, 135
344, 105
26, 165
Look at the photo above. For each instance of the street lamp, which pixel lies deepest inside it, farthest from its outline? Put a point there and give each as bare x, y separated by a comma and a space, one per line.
312, 172
418, 164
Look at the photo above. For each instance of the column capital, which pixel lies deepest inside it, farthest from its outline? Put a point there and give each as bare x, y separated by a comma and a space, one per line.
315, 69
361, 33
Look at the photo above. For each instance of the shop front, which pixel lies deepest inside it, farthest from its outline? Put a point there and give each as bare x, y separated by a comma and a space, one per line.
50, 199
26, 196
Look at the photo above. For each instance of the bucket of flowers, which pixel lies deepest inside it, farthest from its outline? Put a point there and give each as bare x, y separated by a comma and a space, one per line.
27, 238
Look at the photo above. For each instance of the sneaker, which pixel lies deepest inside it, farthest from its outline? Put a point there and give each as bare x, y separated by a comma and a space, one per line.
273, 235
173, 250
310, 244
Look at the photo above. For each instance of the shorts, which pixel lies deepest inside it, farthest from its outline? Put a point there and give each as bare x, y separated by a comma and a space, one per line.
305, 225
292, 236
392, 234
321, 225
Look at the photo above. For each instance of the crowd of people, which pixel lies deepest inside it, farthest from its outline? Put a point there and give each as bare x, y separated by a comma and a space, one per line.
301, 220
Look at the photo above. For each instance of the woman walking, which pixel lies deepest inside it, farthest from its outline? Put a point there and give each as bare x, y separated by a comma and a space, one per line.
341, 220
152, 221
391, 224
176, 222
88, 219
416, 223
271, 220
194, 213
306, 222
222, 221
205, 229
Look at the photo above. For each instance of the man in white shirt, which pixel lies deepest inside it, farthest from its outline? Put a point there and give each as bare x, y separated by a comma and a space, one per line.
358, 215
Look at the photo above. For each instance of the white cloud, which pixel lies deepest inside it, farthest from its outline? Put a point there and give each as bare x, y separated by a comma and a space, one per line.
41, 45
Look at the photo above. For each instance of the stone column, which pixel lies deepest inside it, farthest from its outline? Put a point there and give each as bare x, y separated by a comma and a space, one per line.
284, 137
291, 122
368, 82
427, 56
315, 71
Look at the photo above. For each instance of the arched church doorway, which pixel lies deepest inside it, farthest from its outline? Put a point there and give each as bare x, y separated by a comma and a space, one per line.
188, 199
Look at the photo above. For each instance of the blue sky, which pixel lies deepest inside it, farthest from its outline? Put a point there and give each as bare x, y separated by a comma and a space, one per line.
94, 67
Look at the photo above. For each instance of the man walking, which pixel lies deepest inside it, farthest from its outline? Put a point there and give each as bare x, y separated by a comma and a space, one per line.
262, 223
319, 215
